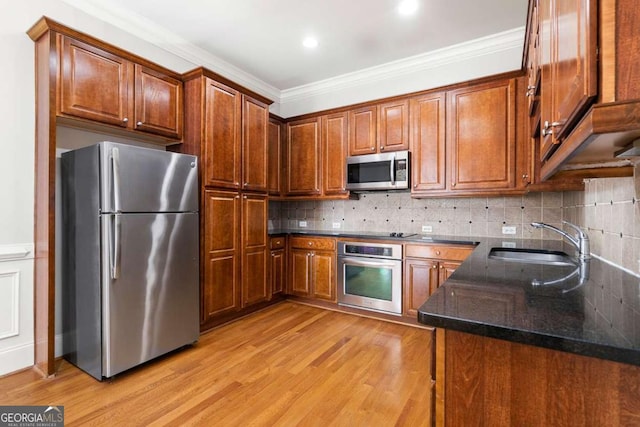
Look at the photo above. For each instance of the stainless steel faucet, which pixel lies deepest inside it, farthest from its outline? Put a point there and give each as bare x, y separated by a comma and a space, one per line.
581, 241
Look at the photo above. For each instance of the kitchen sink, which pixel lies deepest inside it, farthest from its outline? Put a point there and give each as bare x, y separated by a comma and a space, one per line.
532, 256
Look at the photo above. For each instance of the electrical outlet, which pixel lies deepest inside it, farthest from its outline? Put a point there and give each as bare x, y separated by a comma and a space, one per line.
427, 229
336, 225
506, 229
302, 223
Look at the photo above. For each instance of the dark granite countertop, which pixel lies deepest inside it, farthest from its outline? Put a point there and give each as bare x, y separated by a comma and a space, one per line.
591, 309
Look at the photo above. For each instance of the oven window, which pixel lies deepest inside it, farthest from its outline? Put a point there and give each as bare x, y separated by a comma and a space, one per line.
371, 282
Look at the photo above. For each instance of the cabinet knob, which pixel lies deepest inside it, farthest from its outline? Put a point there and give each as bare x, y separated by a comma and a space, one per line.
453, 184
245, 184
382, 148
373, 148
434, 267
125, 120
310, 243
437, 252
415, 185
525, 176
139, 124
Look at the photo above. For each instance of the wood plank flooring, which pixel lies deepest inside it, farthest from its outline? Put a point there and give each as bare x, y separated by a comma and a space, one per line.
288, 365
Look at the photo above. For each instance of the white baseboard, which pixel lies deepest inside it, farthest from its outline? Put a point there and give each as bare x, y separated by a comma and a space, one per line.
16, 358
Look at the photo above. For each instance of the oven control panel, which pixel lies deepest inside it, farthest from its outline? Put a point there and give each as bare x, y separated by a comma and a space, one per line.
371, 250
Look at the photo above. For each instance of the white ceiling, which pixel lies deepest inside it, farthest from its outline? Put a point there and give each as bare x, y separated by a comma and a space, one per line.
263, 38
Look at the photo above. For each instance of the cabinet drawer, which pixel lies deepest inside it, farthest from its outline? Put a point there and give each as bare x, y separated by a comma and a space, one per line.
313, 243
456, 253
277, 242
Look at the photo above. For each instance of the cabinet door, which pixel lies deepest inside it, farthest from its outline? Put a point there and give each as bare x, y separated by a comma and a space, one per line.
158, 103
220, 289
574, 67
300, 264
362, 131
223, 107
303, 157
420, 281
255, 285
545, 40
255, 147
323, 275
94, 84
393, 126
428, 142
277, 271
481, 131
334, 153
275, 157
446, 269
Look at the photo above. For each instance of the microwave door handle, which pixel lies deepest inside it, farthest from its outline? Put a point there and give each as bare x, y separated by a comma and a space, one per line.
392, 169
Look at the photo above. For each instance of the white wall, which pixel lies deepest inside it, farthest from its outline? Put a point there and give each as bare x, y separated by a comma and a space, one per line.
17, 121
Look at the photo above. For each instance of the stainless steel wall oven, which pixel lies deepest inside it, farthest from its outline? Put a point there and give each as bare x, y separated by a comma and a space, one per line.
370, 276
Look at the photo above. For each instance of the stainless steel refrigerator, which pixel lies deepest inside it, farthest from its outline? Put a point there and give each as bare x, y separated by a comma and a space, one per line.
130, 287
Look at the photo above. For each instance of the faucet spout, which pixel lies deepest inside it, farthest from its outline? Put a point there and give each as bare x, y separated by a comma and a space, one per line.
581, 241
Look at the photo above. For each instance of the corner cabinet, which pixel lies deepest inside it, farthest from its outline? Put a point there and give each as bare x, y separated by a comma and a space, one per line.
103, 87
316, 152
275, 167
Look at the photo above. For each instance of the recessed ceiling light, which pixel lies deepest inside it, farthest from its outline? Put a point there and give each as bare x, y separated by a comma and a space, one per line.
310, 42
407, 7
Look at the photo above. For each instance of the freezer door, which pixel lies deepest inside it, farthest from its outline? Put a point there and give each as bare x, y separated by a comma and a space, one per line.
136, 179
150, 287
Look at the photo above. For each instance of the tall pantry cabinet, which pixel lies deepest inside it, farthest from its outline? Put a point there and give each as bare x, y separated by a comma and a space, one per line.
227, 127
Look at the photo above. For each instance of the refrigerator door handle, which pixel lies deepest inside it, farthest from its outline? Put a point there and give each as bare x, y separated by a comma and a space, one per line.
114, 258
115, 178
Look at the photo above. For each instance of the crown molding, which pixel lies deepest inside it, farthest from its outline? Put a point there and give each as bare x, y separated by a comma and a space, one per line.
458, 53
165, 39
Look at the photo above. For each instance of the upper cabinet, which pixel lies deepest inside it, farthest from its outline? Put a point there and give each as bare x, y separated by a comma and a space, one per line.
303, 157
316, 156
255, 145
104, 87
568, 61
275, 168
228, 129
428, 143
481, 134
379, 128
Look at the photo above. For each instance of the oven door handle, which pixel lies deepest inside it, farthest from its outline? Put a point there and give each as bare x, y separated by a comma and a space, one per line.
360, 263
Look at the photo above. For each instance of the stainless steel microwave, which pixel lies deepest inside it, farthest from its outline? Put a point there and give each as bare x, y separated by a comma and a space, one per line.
384, 171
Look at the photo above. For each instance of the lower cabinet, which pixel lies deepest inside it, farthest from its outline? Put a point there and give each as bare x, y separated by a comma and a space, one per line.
312, 263
278, 266
234, 253
425, 268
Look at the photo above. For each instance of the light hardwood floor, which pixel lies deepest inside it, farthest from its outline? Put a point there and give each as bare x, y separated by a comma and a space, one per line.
288, 365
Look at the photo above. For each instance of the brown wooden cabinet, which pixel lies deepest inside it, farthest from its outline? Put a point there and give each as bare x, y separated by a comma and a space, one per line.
103, 87
379, 128
255, 284
316, 156
255, 145
426, 267
313, 264
569, 67
278, 267
481, 136
334, 152
393, 126
303, 157
221, 254
222, 126
276, 164
428, 142
363, 131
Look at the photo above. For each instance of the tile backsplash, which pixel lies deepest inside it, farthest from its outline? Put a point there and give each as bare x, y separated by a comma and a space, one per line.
451, 216
608, 210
